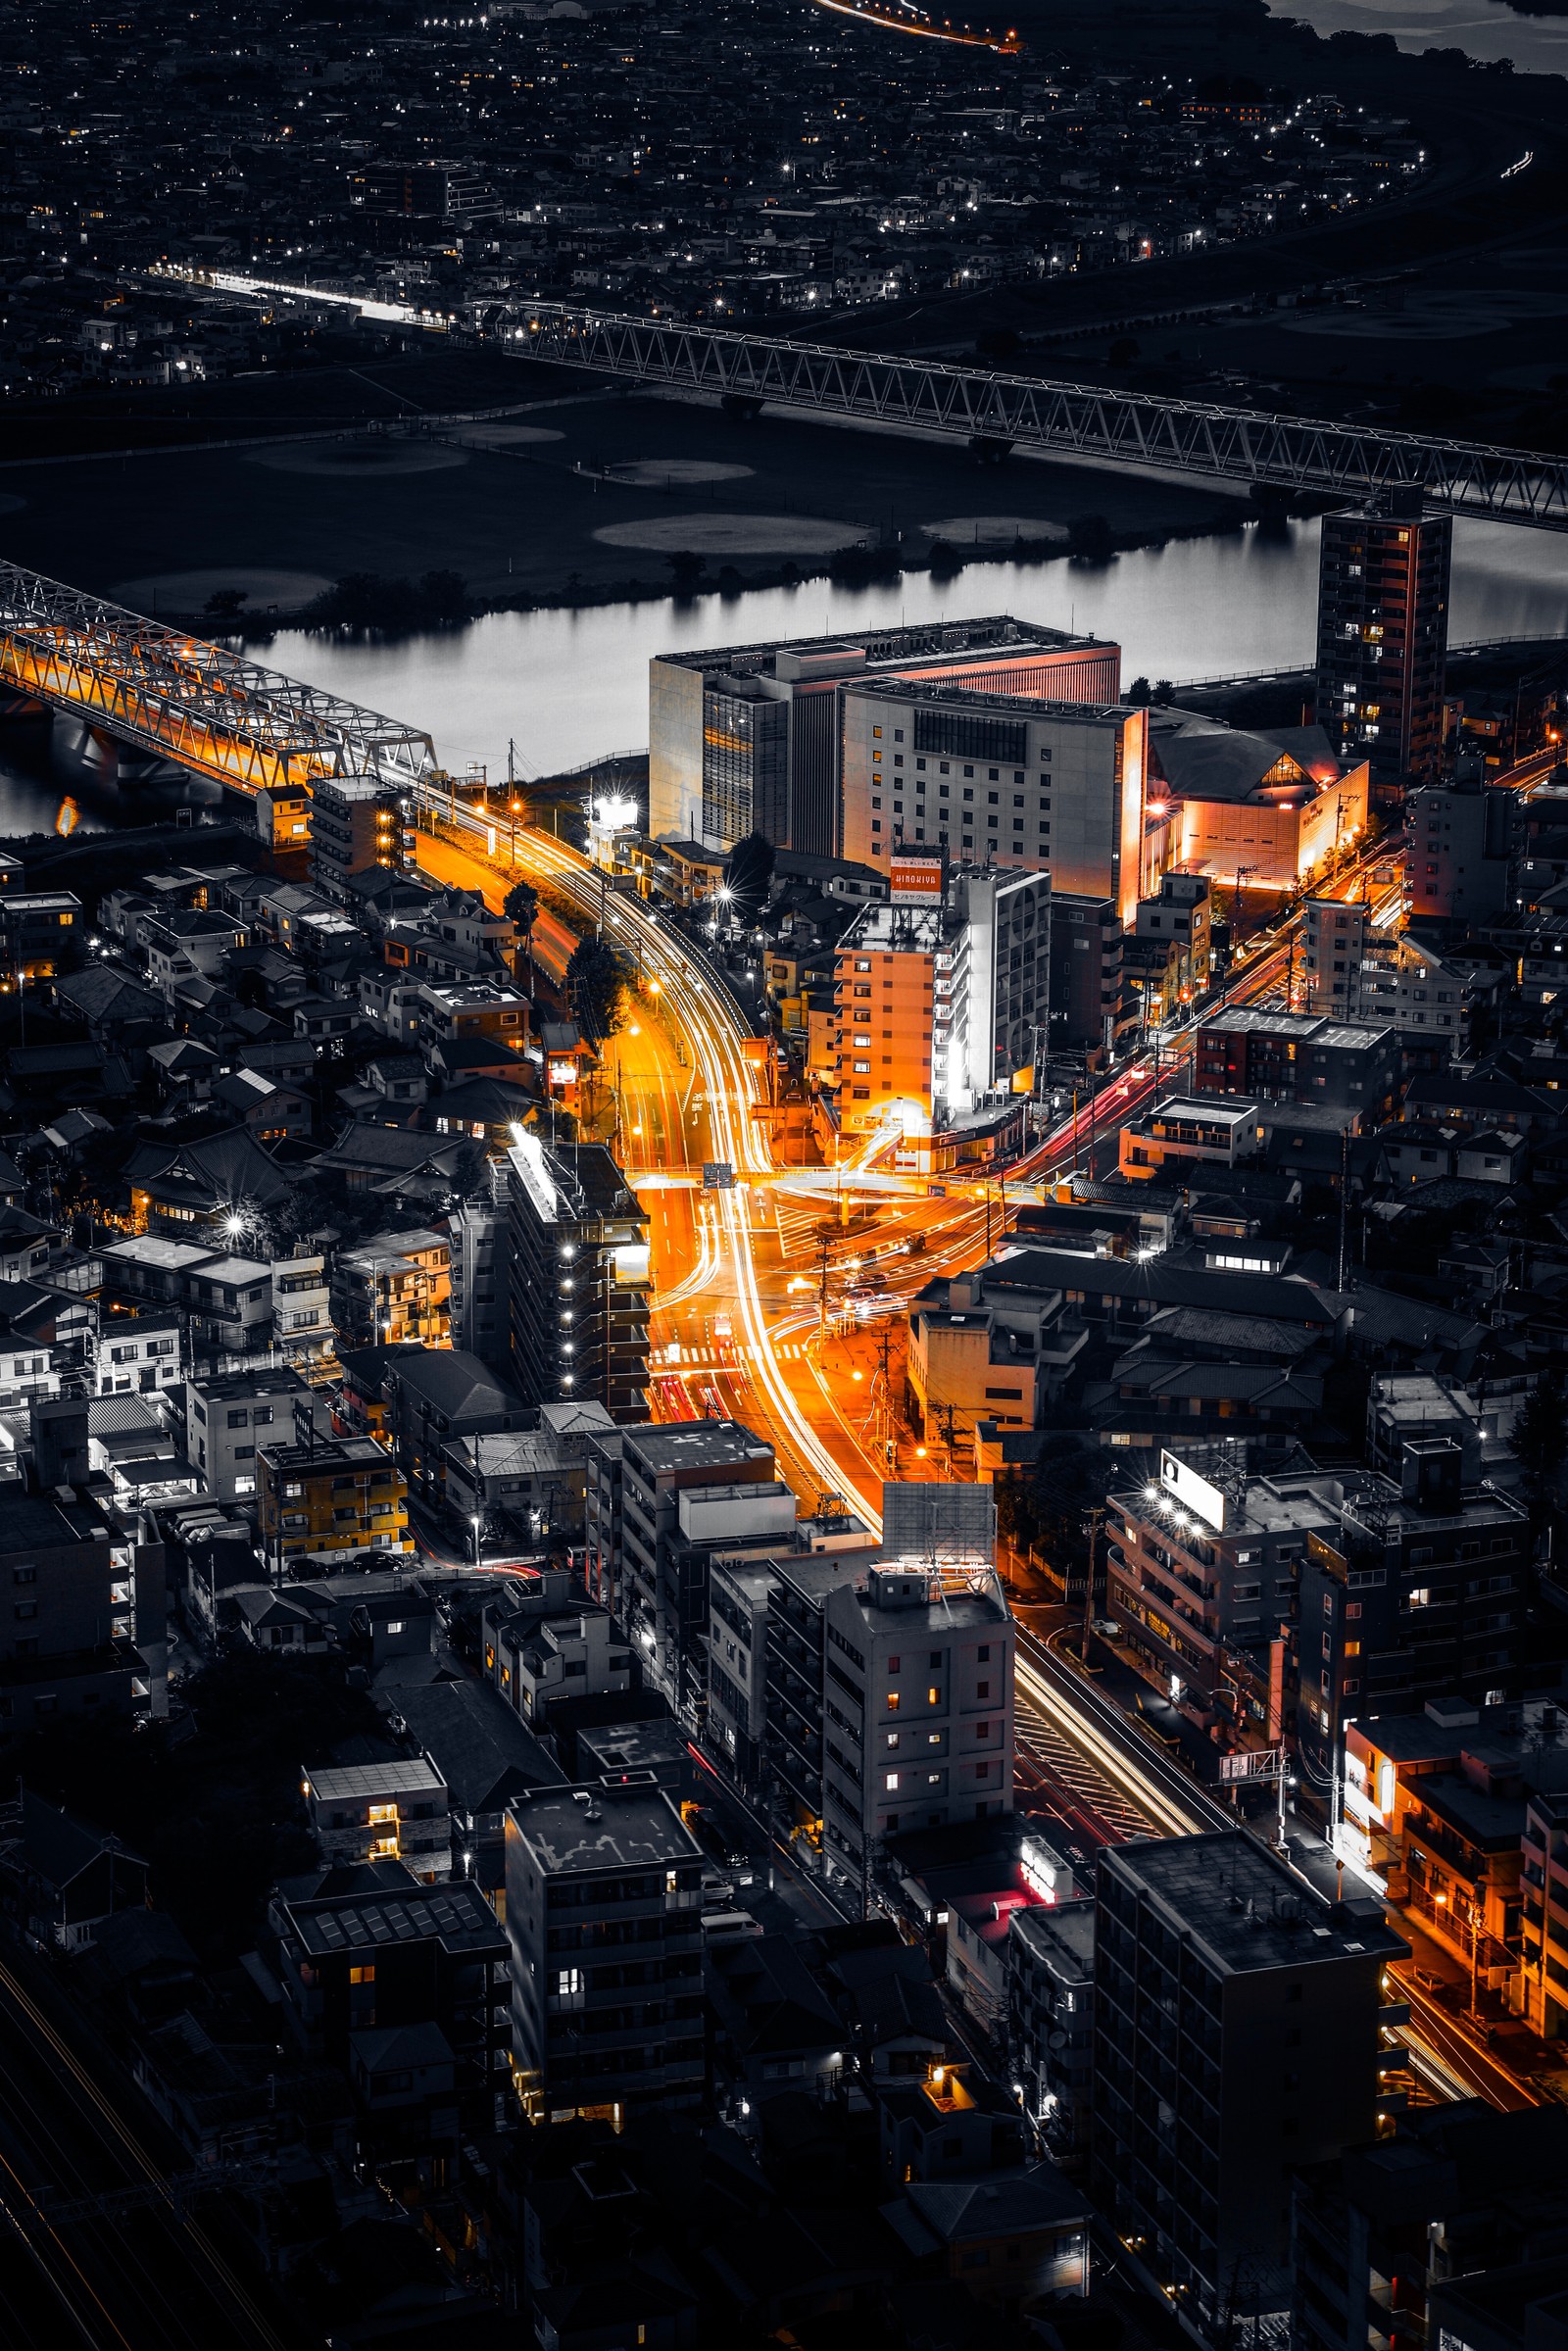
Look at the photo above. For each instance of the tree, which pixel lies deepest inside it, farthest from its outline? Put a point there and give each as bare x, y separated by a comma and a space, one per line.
596, 980
686, 569
1089, 538
225, 604
749, 874
470, 1171
522, 907
1540, 1444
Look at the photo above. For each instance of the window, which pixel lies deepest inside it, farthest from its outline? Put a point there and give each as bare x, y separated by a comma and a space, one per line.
892, 1701
361, 1975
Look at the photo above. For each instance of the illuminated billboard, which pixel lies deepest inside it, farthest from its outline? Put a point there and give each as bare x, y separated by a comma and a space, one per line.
1184, 1481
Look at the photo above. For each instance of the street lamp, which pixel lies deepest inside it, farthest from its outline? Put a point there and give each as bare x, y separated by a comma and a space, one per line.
476, 1523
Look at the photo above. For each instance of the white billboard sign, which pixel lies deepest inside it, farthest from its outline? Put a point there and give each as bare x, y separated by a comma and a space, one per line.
1180, 1479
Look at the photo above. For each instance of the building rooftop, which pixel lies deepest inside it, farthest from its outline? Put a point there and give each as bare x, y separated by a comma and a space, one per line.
885, 649
340, 1784
1244, 1910
693, 1444
457, 1915
220, 1387
330, 1453
583, 1831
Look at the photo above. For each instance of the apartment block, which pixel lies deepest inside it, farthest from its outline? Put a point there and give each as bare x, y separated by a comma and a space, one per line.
478, 1302
738, 1596
884, 983
1420, 1592
394, 1289
81, 1627
357, 823
1204, 1579
1236, 2039
690, 1492
1462, 839
225, 1414
1050, 1959
1383, 634
140, 1355
1413, 2237
1334, 941
589, 1872
329, 1496
917, 1695
577, 1277
1085, 973
385, 1952
1290, 1056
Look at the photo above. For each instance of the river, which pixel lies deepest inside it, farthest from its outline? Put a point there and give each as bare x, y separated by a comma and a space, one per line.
569, 686
1480, 27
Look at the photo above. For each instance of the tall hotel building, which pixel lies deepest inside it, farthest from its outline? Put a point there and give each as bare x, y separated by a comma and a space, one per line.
751, 737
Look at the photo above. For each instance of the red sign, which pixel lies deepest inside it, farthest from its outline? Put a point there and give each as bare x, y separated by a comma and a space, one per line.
916, 881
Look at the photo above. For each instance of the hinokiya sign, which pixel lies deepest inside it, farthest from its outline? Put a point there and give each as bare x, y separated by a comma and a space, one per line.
916, 881
1184, 1481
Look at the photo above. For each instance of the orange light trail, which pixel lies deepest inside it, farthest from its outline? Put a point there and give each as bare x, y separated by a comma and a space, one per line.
1009, 45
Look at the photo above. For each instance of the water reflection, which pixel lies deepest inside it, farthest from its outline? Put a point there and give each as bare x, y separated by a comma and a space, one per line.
569, 686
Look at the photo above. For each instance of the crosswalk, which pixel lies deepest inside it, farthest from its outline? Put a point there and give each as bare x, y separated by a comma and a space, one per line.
797, 1229
718, 1359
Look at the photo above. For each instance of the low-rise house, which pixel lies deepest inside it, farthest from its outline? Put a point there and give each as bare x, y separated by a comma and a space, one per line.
382, 1812
141, 1353
435, 1397
60, 1877
394, 1288
1019, 2240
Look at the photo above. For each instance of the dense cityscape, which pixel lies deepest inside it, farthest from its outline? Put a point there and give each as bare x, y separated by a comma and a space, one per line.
781, 1515
776, 162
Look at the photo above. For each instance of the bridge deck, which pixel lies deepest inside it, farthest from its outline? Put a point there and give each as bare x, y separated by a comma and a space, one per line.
200, 704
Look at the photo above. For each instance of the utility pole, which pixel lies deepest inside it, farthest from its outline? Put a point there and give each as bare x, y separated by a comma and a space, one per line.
824, 1245
1345, 1208
1092, 1521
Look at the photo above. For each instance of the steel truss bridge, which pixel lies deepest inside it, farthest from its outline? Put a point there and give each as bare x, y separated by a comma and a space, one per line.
1120, 428
174, 695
